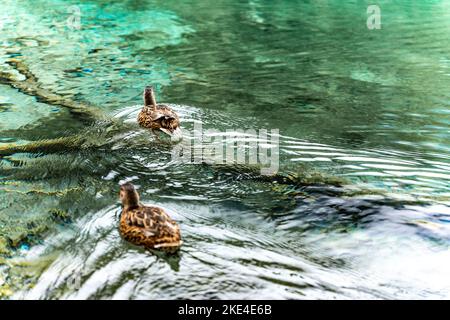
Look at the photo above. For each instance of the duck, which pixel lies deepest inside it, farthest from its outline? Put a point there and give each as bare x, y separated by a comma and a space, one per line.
147, 226
158, 116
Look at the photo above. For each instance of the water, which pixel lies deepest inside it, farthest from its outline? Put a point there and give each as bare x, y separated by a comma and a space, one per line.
367, 106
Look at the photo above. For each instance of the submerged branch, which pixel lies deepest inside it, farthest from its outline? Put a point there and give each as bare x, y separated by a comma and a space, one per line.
43, 146
32, 87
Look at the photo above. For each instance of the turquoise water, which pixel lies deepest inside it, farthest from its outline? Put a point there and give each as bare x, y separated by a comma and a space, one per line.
367, 106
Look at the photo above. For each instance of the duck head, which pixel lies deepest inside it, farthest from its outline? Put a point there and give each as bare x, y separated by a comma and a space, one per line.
128, 196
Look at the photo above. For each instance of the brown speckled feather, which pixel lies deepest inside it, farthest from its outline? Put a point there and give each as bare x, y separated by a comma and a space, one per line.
150, 227
159, 118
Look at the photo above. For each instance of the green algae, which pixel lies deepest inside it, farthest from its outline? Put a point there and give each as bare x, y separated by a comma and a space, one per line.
60, 215
22, 273
5, 291
4, 246
17, 228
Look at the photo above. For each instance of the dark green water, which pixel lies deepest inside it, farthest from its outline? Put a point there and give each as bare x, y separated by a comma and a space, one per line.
368, 106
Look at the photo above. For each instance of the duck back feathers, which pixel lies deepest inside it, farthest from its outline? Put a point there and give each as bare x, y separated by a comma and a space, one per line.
157, 117
147, 226
150, 227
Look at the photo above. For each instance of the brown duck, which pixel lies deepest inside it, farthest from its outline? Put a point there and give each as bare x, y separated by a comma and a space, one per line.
158, 116
147, 226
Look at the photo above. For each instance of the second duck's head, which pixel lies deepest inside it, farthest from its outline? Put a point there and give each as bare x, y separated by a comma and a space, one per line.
128, 195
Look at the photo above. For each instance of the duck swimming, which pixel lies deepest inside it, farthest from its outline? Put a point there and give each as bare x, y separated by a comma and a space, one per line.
158, 116
147, 226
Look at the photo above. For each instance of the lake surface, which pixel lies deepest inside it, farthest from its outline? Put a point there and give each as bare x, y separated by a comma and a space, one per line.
368, 107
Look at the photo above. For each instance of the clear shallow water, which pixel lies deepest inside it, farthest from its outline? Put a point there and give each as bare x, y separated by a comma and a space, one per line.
371, 107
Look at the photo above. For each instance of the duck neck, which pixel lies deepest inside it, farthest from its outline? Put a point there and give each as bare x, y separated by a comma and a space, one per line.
131, 202
129, 207
149, 99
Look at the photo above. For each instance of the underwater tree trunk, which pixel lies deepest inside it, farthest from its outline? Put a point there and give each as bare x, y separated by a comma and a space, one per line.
43, 146
31, 86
